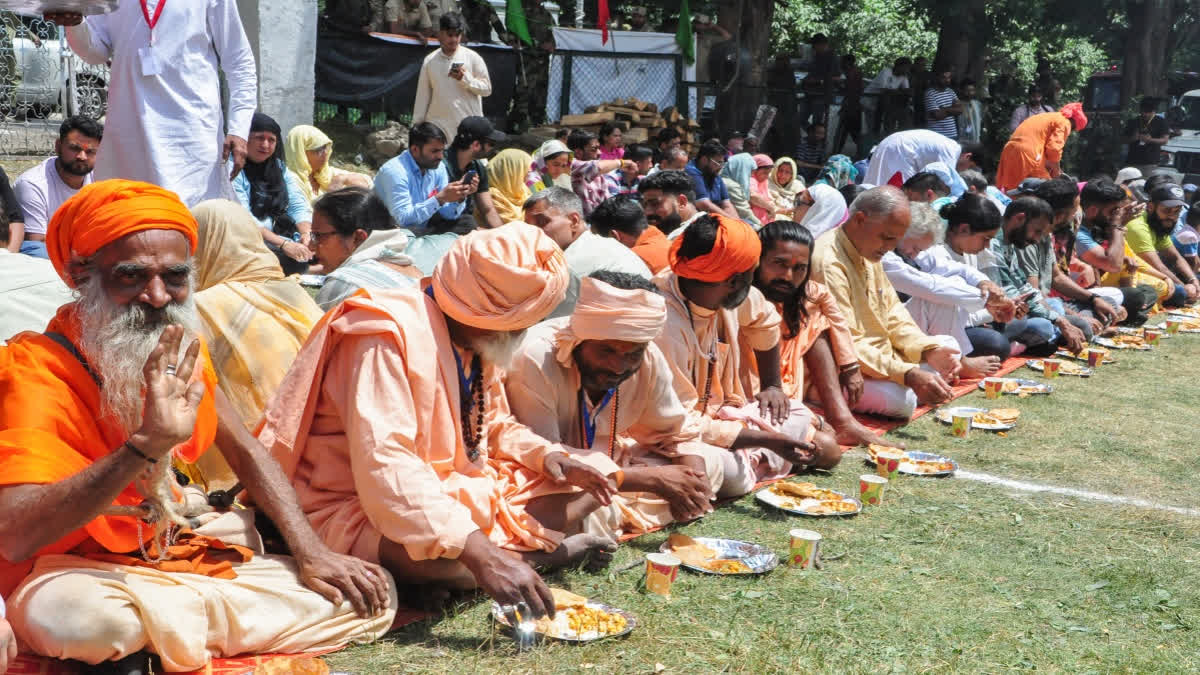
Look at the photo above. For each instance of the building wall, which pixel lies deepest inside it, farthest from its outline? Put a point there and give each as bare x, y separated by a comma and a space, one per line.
283, 34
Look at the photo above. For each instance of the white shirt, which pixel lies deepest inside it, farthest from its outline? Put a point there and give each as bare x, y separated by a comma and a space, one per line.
40, 191
445, 101
590, 252
168, 128
908, 152
886, 80
30, 293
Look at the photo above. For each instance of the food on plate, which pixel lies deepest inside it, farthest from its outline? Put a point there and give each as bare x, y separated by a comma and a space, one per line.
831, 506
928, 465
1129, 340
286, 665
983, 418
1029, 389
692, 552
583, 620
566, 599
1005, 415
574, 618
803, 491
1010, 386
726, 566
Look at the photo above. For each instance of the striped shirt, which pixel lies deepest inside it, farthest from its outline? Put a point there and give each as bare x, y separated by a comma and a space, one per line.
941, 98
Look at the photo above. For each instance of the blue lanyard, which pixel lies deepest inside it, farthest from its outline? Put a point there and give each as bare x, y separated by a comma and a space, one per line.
464, 380
586, 420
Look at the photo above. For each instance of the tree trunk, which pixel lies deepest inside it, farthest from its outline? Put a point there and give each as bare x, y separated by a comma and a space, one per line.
963, 39
751, 20
1145, 65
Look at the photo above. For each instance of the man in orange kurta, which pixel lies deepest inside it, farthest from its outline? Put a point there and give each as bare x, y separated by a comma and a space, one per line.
596, 382
104, 396
1035, 149
712, 307
815, 335
394, 427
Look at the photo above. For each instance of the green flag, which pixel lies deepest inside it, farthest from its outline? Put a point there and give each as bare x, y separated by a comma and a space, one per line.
683, 35
514, 21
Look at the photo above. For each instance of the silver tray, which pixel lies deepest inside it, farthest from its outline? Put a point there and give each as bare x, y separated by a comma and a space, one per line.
630, 623
1043, 388
1064, 354
1036, 364
40, 7
771, 499
946, 416
1161, 328
906, 466
759, 559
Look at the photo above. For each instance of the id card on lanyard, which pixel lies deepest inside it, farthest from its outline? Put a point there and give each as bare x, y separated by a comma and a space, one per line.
150, 63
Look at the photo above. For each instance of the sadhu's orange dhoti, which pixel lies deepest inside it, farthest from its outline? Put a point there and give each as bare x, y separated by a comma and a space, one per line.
76, 598
1037, 141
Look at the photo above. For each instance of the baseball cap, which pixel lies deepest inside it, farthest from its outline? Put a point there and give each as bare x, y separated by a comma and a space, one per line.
1189, 187
1138, 189
1027, 187
479, 127
1127, 174
1169, 195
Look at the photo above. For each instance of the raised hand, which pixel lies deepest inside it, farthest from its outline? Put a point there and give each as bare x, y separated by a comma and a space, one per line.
169, 412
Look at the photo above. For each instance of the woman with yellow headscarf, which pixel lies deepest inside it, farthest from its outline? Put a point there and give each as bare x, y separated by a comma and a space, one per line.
506, 183
308, 153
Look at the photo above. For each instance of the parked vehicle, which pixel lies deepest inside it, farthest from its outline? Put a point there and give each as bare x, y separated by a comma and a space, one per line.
42, 81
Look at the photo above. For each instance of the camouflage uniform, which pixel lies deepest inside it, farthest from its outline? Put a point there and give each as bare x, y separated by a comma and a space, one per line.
533, 69
481, 18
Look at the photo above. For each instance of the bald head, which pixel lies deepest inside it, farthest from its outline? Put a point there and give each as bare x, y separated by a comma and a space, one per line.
878, 220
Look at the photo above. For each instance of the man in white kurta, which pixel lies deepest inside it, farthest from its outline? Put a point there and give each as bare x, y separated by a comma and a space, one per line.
164, 123
453, 81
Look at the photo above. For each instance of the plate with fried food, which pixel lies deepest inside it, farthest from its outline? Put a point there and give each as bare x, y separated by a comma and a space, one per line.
1082, 356
1064, 368
1019, 387
576, 619
1122, 341
995, 419
806, 499
720, 556
1187, 322
917, 463
292, 665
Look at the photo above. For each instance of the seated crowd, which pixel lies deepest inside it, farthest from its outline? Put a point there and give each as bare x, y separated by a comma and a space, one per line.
512, 364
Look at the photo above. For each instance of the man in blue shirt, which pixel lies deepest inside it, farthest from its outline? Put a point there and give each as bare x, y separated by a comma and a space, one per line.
705, 172
414, 185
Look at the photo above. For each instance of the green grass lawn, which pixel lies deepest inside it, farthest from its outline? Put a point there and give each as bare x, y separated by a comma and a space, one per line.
946, 575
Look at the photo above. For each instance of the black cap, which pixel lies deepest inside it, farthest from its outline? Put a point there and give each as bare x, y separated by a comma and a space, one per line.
1169, 195
476, 127
1027, 187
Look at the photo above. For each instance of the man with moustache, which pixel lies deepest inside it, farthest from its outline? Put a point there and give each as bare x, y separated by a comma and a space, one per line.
596, 383
667, 198
902, 365
102, 398
1149, 237
394, 427
42, 189
712, 307
1101, 243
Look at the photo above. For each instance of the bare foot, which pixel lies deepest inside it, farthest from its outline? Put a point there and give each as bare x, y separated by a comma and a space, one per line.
597, 552
854, 433
974, 367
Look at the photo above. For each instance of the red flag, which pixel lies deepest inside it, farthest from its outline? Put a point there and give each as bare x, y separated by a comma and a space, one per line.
602, 19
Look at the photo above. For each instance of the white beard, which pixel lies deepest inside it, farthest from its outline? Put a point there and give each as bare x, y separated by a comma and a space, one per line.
498, 348
117, 339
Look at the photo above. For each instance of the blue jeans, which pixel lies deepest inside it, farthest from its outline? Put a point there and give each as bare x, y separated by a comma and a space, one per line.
37, 249
988, 342
1031, 332
1178, 298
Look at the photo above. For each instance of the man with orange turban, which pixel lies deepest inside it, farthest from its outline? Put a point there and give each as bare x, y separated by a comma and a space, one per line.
1035, 148
596, 383
394, 428
711, 307
108, 393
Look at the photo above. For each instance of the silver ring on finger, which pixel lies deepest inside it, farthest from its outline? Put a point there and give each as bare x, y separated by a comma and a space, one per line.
170, 370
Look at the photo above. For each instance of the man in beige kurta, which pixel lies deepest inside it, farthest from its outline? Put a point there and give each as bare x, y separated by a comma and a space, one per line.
711, 307
595, 382
902, 365
395, 430
453, 80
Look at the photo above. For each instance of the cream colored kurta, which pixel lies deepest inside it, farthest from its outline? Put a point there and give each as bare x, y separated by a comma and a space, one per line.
367, 425
445, 101
693, 333
887, 340
651, 423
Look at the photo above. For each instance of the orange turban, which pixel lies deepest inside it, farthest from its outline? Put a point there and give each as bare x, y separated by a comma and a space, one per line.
605, 312
1074, 112
507, 278
736, 250
103, 212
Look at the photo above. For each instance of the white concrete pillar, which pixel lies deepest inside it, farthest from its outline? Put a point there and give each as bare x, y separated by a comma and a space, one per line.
283, 34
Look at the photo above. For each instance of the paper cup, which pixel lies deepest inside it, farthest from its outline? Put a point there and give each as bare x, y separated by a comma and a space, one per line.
993, 386
1050, 368
960, 424
1095, 357
870, 488
1152, 337
802, 552
661, 570
887, 462
1173, 326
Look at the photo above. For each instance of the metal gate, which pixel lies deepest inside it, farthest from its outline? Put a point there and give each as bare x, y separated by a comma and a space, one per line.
41, 81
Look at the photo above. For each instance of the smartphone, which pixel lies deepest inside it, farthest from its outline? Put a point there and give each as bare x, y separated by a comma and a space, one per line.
1028, 296
468, 177
457, 65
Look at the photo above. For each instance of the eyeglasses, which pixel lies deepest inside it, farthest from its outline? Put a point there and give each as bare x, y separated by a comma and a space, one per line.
316, 237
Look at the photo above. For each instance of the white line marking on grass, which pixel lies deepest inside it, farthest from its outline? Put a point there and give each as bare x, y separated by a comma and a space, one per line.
1072, 492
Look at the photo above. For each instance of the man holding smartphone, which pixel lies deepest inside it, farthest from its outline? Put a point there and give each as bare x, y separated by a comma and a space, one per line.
453, 81
475, 141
